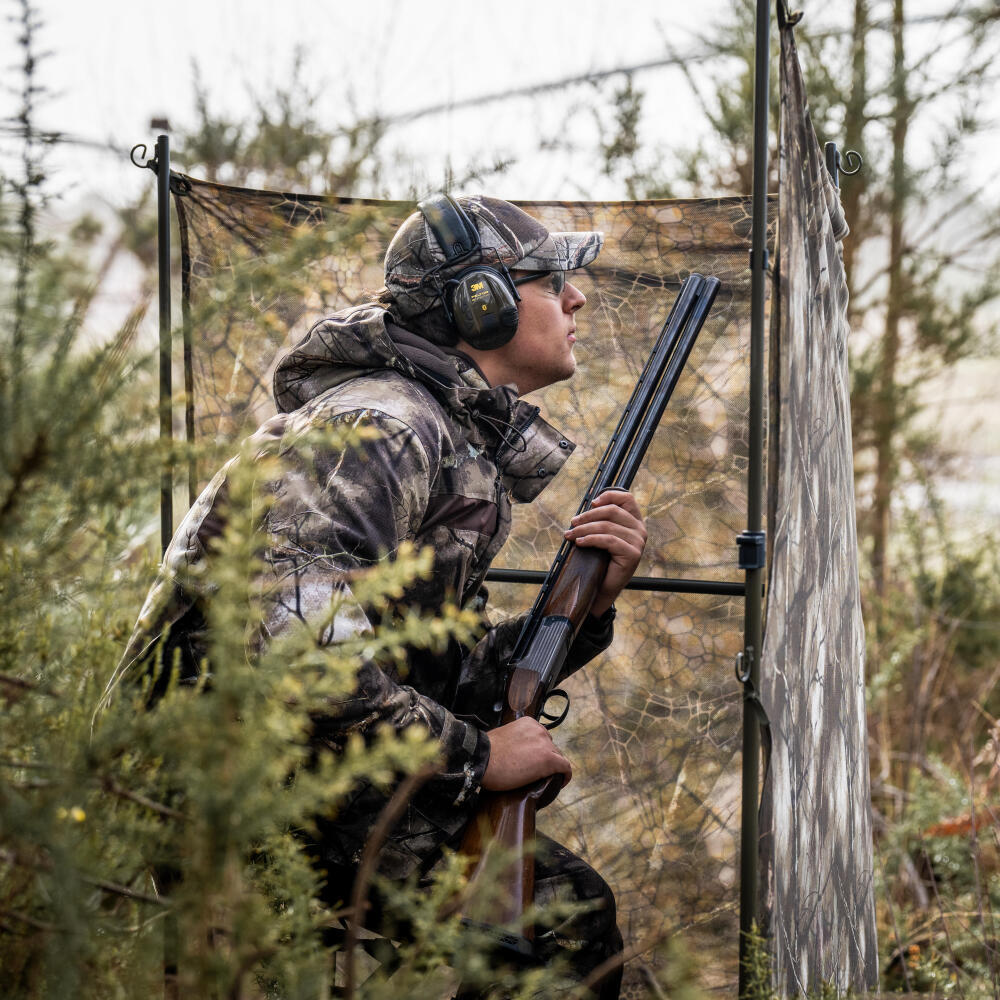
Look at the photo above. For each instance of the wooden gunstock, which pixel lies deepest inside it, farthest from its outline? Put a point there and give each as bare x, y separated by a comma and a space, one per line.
498, 844
576, 587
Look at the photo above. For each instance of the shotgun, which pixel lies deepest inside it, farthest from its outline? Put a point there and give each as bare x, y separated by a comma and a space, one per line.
504, 826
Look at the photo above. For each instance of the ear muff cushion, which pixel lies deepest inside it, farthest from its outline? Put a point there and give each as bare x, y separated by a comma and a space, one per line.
484, 309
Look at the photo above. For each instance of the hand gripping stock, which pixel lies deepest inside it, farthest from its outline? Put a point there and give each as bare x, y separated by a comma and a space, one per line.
498, 840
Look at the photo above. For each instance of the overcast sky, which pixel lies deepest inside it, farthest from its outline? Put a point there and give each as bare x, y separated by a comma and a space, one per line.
117, 63
114, 64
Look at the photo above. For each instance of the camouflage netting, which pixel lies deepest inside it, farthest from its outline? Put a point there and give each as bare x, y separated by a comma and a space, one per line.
654, 731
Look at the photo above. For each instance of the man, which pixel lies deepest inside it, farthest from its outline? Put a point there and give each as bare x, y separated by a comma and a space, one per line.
477, 311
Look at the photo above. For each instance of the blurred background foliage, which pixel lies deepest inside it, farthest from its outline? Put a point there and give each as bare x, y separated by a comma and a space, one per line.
94, 816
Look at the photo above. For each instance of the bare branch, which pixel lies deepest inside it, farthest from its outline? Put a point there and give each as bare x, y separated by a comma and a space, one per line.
141, 800
359, 897
123, 890
23, 684
30, 921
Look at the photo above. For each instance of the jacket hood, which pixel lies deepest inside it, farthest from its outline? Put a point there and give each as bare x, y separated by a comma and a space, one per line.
341, 347
364, 339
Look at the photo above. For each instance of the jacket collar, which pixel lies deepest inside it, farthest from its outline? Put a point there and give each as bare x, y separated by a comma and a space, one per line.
529, 450
528, 469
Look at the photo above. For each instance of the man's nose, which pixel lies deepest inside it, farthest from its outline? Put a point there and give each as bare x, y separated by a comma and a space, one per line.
575, 299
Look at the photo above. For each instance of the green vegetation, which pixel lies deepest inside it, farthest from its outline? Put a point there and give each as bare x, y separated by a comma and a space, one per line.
139, 848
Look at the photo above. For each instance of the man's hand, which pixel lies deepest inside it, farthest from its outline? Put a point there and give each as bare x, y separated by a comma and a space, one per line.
614, 523
522, 752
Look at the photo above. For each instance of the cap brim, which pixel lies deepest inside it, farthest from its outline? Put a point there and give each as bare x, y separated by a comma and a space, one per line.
562, 252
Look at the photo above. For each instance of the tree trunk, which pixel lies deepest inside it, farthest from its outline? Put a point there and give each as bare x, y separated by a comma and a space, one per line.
854, 123
887, 397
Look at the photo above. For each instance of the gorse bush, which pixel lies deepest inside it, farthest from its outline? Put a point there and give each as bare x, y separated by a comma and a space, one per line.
178, 831
140, 842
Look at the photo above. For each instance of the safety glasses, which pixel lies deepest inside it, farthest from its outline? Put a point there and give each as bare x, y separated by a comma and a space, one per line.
558, 279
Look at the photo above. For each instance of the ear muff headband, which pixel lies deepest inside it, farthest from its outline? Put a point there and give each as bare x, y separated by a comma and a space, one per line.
481, 301
455, 232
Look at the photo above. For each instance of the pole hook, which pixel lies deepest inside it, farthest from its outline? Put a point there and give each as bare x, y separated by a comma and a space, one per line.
835, 162
853, 157
147, 162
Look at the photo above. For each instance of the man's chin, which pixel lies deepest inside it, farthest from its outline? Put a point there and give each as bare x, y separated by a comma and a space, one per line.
562, 374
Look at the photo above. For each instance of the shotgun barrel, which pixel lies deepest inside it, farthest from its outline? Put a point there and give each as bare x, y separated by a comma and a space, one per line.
505, 824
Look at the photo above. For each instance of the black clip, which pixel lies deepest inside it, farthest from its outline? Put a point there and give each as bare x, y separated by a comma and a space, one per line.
743, 671
744, 674
765, 260
752, 548
751, 699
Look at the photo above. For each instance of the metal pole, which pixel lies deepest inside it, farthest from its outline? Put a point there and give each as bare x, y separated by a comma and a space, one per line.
166, 387
832, 156
660, 584
752, 541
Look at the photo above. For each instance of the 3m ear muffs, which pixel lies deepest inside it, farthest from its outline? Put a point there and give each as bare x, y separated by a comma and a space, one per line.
481, 301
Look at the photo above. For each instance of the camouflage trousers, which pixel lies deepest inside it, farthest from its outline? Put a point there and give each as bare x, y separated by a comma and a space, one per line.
583, 942
589, 939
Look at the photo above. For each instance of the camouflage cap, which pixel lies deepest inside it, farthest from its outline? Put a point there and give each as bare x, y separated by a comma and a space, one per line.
508, 235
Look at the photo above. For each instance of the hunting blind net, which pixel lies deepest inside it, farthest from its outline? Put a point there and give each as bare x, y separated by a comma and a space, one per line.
654, 728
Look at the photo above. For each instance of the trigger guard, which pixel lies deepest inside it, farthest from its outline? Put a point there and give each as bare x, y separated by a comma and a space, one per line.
555, 720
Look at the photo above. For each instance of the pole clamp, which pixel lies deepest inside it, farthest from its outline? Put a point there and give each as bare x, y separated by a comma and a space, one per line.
744, 674
752, 548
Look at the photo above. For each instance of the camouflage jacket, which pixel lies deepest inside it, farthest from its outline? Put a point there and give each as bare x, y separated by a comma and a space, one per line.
447, 456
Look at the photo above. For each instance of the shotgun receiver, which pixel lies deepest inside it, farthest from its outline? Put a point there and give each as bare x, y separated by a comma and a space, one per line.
505, 822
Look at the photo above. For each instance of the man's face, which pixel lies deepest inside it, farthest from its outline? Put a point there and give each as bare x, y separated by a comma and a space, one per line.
541, 351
